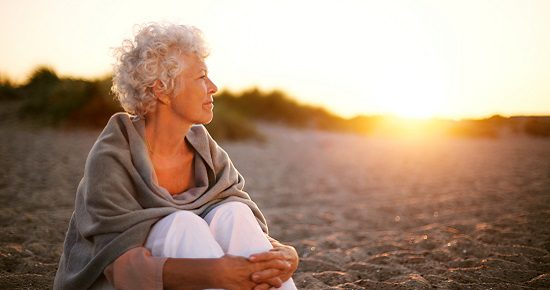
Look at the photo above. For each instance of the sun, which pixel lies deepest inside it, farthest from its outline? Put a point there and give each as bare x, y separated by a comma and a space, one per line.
422, 104
411, 87
415, 108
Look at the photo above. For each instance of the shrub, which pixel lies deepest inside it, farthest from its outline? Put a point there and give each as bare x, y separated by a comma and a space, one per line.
230, 125
8, 90
473, 128
538, 126
60, 101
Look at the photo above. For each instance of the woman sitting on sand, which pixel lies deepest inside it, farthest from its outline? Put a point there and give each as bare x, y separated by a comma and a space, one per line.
160, 204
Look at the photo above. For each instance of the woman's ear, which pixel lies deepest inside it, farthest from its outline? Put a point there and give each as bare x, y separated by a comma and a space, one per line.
159, 90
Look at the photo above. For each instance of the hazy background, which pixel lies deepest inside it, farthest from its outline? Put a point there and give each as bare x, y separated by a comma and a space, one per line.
450, 59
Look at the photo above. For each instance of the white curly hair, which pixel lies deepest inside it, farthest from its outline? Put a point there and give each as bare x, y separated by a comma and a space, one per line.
153, 55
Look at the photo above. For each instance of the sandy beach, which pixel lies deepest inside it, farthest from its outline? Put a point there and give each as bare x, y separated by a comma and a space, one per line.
363, 212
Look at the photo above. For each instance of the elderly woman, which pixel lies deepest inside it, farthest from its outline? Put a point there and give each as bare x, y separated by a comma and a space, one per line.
161, 204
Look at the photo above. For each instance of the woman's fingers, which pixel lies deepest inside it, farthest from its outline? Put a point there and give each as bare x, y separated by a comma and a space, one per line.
263, 286
265, 256
275, 264
273, 272
265, 275
275, 282
290, 255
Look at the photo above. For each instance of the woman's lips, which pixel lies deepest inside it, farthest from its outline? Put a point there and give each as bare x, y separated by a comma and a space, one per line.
209, 104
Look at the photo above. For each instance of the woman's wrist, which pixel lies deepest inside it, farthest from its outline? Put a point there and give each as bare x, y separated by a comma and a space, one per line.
184, 273
217, 273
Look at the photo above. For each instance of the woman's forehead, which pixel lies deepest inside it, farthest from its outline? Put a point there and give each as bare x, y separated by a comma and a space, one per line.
194, 61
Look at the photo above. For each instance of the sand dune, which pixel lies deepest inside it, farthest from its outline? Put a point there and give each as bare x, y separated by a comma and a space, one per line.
363, 213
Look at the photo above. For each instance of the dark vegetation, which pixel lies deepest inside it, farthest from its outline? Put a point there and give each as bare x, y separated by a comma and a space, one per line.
52, 100
48, 99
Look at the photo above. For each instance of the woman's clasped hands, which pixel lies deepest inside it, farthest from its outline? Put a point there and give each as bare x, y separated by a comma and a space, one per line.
260, 271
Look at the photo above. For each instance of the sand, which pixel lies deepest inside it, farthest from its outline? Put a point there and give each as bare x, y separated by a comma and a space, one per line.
363, 212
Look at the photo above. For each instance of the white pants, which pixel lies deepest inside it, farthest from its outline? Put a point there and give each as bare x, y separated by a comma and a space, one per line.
230, 228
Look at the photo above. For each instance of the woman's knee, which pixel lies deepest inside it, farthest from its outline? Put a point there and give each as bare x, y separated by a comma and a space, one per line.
176, 224
236, 229
186, 222
235, 209
231, 213
184, 218
179, 234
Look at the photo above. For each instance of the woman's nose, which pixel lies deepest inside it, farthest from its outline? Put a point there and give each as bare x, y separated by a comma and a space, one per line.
212, 88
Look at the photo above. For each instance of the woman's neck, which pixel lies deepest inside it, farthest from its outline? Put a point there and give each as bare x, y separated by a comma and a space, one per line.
164, 135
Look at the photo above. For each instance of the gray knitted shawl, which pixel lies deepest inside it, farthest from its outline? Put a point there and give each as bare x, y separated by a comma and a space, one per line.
118, 199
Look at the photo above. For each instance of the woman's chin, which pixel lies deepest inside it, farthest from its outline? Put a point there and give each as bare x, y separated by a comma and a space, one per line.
207, 120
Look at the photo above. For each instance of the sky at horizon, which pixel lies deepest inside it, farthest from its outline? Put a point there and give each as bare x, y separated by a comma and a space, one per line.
449, 59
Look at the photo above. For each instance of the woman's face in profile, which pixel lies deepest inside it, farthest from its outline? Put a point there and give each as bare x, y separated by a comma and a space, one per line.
192, 99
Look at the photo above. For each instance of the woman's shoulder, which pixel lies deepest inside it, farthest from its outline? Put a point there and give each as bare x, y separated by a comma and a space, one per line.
120, 119
122, 123
116, 136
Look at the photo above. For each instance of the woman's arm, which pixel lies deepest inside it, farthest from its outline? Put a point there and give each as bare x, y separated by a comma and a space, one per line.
228, 272
138, 269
